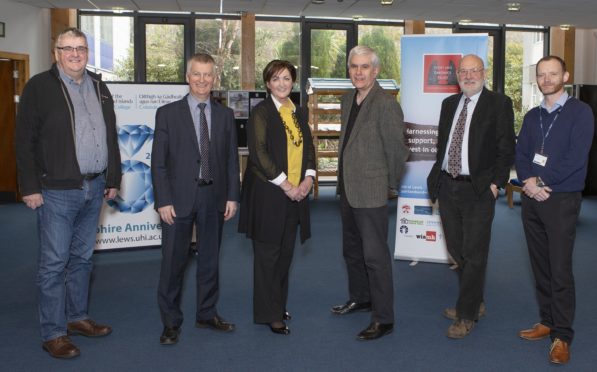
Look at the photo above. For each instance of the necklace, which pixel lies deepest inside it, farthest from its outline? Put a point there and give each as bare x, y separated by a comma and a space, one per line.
298, 142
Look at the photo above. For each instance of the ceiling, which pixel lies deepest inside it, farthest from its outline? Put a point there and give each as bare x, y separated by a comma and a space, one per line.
578, 13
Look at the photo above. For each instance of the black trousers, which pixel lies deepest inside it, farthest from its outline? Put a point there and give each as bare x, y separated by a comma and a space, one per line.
368, 259
271, 265
466, 219
550, 230
176, 241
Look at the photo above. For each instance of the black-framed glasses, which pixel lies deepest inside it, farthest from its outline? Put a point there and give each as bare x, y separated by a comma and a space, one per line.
69, 49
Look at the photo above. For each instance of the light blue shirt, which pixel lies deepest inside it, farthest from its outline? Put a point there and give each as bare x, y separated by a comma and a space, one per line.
559, 103
90, 129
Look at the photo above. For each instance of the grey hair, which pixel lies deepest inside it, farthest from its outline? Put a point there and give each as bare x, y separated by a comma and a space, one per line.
360, 50
201, 58
72, 32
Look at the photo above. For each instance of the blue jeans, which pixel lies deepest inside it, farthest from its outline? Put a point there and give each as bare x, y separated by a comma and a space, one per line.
67, 224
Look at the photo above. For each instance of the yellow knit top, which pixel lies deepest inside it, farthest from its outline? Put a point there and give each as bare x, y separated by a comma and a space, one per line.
294, 141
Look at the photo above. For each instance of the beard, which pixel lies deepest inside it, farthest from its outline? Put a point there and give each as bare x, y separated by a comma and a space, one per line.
551, 88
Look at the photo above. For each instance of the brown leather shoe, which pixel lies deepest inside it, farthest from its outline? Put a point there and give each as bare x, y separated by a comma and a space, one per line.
450, 312
538, 332
88, 328
460, 328
61, 347
559, 352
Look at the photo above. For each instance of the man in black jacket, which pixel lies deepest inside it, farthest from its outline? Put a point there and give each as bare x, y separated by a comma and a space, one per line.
68, 161
475, 150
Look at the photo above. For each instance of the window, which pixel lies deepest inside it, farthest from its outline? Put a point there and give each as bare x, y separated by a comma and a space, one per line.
164, 53
386, 42
276, 40
221, 39
430, 30
523, 50
110, 42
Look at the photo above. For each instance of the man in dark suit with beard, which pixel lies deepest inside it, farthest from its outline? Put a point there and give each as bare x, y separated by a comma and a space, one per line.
195, 174
475, 153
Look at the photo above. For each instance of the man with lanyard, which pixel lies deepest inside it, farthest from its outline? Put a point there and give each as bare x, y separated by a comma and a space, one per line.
551, 160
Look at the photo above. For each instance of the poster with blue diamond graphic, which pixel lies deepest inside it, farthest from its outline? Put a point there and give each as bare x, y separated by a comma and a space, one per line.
130, 221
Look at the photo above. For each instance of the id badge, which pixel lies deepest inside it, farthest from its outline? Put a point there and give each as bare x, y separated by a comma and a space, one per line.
540, 159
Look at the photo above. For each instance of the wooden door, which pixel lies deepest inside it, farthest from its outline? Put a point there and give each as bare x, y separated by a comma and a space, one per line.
14, 72
8, 168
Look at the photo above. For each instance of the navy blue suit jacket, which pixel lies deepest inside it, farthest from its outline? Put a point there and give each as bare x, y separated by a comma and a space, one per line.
175, 159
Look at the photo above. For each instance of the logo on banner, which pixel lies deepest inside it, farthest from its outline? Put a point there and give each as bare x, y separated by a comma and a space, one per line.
406, 221
433, 223
404, 229
430, 236
136, 192
440, 73
406, 209
423, 210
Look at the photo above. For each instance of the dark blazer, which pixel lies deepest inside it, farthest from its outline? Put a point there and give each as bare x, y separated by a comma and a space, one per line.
490, 145
175, 159
374, 157
263, 204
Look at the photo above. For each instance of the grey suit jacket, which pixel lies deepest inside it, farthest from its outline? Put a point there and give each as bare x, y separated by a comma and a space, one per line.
175, 159
375, 154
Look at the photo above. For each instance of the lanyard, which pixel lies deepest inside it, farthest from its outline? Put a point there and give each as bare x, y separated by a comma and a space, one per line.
543, 134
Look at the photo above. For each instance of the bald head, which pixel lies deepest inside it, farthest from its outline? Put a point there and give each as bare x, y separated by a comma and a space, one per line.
471, 59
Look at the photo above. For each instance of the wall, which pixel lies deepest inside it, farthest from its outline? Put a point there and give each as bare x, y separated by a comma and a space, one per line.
27, 31
585, 58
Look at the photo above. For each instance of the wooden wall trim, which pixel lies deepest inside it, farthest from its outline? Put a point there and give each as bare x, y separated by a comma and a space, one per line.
562, 44
247, 52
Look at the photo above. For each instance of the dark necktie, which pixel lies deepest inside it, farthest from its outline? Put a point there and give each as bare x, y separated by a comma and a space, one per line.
455, 151
204, 144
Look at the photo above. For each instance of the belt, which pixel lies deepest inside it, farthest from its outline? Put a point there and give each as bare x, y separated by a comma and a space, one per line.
202, 182
92, 176
461, 178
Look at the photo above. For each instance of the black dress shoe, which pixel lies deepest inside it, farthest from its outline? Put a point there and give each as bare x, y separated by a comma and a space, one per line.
286, 315
375, 330
283, 330
216, 323
169, 335
351, 306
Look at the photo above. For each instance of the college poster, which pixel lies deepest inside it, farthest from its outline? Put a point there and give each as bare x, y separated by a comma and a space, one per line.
130, 221
429, 64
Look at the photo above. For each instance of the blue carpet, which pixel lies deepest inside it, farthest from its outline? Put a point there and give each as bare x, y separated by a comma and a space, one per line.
124, 295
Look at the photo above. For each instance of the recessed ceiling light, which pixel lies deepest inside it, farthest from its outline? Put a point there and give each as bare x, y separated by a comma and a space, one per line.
387, 2
465, 21
564, 27
513, 7
317, 1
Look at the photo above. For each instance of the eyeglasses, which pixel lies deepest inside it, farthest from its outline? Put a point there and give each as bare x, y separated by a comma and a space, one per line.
472, 71
69, 49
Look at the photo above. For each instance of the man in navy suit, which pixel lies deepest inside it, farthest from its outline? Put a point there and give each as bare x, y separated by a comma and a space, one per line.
195, 174
475, 150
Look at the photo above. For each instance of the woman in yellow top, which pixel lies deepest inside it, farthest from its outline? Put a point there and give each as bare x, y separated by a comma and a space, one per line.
275, 190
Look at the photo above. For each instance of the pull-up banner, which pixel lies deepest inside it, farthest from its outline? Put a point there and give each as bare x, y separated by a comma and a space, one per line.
130, 221
429, 64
